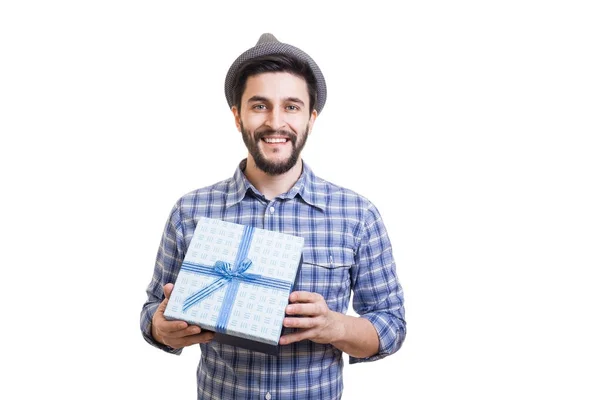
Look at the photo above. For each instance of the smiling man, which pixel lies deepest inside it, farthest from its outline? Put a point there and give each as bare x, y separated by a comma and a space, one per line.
275, 92
275, 119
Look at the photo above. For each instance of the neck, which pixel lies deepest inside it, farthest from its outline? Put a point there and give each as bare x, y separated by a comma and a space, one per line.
272, 185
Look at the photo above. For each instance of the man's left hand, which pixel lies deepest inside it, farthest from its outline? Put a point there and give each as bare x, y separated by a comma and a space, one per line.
315, 321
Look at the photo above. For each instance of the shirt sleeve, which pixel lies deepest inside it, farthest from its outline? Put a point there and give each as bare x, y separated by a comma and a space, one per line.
168, 262
378, 295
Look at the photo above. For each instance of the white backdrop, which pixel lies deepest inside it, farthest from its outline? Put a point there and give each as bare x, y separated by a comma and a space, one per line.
473, 126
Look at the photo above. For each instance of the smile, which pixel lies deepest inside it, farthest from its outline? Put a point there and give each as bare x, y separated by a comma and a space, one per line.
274, 140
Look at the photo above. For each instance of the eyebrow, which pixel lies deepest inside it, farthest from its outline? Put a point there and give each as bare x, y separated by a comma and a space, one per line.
265, 100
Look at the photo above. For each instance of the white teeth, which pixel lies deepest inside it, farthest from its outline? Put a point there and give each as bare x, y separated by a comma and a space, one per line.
275, 140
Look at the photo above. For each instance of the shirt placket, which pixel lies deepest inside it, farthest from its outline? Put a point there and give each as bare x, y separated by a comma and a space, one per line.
270, 218
270, 223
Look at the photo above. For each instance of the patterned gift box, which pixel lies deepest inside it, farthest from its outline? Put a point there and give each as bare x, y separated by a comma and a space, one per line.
235, 280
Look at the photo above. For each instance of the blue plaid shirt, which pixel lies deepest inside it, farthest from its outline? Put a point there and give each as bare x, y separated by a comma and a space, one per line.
346, 249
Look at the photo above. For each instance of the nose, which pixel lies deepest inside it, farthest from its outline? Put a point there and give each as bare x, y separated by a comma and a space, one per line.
275, 120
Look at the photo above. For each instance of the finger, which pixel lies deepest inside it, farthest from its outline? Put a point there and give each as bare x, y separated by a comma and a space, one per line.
181, 333
159, 315
169, 328
160, 310
303, 323
295, 337
191, 330
203, 337
168, 289
305, 297
311, 309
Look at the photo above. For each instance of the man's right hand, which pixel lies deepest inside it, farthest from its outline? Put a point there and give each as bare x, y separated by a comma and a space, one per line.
176, 334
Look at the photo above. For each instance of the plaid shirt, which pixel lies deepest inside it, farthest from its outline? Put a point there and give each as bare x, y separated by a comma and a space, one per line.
346, 249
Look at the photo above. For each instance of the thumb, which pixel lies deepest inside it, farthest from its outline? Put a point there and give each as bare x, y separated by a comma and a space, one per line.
167, 289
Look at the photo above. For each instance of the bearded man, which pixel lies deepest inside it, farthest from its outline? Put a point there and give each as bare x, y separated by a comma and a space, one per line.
276, 92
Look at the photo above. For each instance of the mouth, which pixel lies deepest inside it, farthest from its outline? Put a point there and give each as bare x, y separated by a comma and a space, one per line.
275, 140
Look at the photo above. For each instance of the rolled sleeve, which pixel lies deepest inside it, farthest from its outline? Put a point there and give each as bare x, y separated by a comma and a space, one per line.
378, 295
168, 261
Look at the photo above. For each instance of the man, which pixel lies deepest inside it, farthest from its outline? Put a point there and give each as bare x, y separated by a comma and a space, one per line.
275, 92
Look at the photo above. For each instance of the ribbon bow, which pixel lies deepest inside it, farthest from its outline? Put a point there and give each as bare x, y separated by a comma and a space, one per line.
226, 273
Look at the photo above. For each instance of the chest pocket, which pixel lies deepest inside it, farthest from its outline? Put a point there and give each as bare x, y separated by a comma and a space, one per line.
333, 257
327, 271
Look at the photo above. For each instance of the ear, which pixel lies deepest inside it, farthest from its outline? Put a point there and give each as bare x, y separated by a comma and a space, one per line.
311, 121
237, 118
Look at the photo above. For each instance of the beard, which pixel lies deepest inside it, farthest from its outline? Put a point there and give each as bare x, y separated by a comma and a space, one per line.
274, 167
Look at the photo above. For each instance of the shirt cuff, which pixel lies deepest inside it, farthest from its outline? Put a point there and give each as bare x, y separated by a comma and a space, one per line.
389, 339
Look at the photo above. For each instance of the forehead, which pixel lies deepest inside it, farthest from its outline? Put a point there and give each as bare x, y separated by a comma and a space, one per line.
276, 86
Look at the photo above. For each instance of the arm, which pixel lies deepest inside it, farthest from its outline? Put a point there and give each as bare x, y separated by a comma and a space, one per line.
358, 337
378, 295
352, 335
378, 299
169, 336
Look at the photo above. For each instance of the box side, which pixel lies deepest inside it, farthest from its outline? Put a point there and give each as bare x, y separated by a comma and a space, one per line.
247, 344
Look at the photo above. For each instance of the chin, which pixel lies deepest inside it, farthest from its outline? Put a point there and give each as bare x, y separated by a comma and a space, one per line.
276, 159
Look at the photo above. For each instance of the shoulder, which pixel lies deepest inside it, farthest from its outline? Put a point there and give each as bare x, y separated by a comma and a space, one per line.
335, 193
340, 199
202, 201
216, 190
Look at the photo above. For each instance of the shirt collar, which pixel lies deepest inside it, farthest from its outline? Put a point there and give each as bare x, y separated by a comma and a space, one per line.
306, 187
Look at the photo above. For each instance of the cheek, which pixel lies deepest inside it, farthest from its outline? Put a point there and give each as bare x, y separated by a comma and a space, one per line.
299, 125
253, 119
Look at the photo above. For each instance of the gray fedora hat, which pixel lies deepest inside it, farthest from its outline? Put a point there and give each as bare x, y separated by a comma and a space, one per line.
266, 45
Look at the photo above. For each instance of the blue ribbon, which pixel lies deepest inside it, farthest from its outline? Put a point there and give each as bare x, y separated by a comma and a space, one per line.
232, 274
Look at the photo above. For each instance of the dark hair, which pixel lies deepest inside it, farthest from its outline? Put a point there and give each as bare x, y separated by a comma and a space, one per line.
274, 63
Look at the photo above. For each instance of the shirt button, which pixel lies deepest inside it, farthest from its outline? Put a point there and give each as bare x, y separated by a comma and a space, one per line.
272, 210
268, 395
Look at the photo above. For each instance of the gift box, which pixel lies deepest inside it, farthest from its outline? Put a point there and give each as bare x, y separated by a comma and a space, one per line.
236, 280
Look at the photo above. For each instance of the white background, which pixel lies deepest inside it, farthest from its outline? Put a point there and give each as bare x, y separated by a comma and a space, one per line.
473, 126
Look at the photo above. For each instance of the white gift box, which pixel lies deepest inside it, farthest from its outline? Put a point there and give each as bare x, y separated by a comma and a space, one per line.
236, 280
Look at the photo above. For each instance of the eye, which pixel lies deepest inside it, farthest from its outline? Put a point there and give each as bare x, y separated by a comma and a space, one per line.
259, 107
292, 107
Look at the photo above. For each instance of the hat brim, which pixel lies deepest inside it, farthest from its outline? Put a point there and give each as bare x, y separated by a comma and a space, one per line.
265, 49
